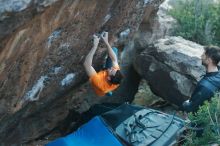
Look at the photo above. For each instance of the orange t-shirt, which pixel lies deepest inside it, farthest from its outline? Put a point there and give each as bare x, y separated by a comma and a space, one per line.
101, 84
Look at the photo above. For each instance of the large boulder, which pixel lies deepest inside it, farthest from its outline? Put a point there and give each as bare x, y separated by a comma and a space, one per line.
43, 45
172, 66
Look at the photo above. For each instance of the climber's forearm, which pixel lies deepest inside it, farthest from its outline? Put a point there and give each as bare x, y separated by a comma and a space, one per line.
89, 57
111, 53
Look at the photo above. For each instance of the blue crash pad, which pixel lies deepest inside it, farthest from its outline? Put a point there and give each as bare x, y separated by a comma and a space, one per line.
93, 133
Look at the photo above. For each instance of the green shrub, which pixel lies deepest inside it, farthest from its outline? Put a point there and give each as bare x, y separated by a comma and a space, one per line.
208, 116
197, 20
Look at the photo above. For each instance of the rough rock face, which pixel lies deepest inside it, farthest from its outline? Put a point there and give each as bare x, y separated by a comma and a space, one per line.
43, 46
172, 66
15, 13
155, 26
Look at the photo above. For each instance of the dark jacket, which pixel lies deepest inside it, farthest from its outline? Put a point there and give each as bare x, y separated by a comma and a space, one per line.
204, 90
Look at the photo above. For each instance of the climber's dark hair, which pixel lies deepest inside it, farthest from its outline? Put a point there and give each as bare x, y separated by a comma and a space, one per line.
213, 52
116, 79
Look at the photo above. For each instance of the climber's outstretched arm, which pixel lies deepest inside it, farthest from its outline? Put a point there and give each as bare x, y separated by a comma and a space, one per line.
88, 60
111, 53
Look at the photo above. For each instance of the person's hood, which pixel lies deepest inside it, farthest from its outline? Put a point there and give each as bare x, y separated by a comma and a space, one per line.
214, 78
